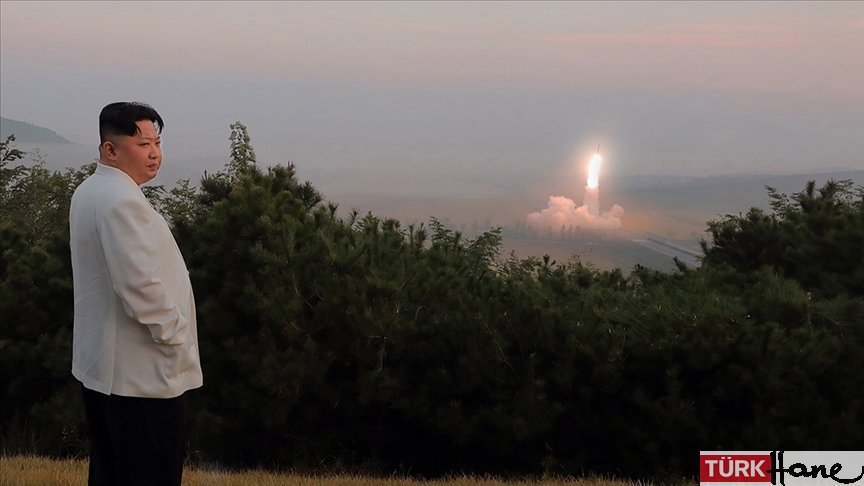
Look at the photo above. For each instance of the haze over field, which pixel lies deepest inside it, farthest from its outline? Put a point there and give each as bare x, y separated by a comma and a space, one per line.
420, 105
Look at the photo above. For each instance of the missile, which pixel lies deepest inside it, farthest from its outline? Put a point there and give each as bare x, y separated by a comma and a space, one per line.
598, 148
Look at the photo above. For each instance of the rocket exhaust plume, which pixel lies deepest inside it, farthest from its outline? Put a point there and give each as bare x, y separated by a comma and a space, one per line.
592, 186
563, 213
594, 169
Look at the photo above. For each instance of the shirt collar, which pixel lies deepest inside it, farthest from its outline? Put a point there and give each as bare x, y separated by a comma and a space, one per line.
116, 173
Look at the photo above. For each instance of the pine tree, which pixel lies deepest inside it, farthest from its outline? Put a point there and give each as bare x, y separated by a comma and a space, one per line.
816, 237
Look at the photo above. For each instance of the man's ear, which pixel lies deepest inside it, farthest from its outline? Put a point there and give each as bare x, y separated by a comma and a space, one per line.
109, 150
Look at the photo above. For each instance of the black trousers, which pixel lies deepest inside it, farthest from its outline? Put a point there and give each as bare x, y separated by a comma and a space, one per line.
135, 441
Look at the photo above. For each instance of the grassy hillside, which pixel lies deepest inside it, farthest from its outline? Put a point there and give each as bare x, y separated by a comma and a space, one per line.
37, 471
606, 254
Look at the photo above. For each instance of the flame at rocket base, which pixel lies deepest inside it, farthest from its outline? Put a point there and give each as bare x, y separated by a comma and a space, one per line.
594, 171
592, 187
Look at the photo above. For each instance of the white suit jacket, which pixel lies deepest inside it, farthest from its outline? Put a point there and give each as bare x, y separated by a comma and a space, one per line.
135, 332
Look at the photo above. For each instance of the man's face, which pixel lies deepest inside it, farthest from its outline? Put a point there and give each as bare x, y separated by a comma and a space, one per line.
139, 156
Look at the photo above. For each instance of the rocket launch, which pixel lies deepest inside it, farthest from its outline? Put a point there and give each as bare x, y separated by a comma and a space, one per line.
592, 187
562, 211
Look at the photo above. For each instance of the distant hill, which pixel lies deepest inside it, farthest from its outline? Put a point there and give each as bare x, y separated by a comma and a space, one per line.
28, 133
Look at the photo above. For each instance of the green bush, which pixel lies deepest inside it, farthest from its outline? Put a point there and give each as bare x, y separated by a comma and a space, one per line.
352, 342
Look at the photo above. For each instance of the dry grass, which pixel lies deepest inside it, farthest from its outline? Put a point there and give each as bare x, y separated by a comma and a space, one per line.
37, 471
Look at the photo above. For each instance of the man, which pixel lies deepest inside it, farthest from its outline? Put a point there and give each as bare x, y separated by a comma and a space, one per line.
135, 344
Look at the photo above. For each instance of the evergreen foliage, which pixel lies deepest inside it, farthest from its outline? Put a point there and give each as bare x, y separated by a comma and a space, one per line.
816, 238
242, 153
354, 342
40, 407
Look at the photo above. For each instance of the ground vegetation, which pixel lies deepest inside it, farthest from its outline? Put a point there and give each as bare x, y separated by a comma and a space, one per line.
354, 342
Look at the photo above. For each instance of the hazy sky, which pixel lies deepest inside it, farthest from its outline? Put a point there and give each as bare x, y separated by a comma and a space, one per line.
452, 97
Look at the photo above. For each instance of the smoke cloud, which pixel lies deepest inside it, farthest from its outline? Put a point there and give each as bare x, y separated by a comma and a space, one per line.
562, 212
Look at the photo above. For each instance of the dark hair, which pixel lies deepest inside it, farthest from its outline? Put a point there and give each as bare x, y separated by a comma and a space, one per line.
120, 119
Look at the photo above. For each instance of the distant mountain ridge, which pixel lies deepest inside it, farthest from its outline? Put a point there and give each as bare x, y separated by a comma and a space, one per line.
28, 133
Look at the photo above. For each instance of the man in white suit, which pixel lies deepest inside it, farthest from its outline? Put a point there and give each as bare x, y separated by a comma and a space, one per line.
135, 344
